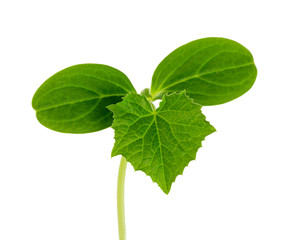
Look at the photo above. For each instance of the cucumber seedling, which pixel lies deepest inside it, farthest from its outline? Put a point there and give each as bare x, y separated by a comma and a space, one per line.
160, 142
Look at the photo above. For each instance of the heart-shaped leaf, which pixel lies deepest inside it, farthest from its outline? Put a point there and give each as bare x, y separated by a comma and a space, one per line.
160, 142
74, 100
211, 70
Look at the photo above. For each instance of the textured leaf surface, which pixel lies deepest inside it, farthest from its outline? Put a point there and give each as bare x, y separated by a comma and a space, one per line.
74, 100
211, 70
159, 142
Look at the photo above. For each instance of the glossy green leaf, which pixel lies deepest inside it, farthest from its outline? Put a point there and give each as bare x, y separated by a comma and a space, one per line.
211, 70
74, 100
160, 142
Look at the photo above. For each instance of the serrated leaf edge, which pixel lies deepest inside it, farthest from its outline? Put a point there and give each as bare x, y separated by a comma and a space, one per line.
160, 104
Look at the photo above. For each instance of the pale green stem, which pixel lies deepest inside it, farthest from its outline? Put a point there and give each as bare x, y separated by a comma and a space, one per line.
120, 199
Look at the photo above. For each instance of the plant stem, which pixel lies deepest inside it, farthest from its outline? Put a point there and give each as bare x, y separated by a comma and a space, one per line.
120, 199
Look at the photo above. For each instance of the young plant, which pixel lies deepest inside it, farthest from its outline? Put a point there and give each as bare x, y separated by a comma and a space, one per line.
160, 142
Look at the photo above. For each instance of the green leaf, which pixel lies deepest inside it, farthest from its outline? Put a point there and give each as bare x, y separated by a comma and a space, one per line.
74, 100
160, 142
211, 70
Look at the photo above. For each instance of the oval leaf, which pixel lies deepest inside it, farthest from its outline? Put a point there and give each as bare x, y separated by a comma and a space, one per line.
211, 70
74, 100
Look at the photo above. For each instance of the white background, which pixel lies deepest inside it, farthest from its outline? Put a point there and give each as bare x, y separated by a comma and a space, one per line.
246, 181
